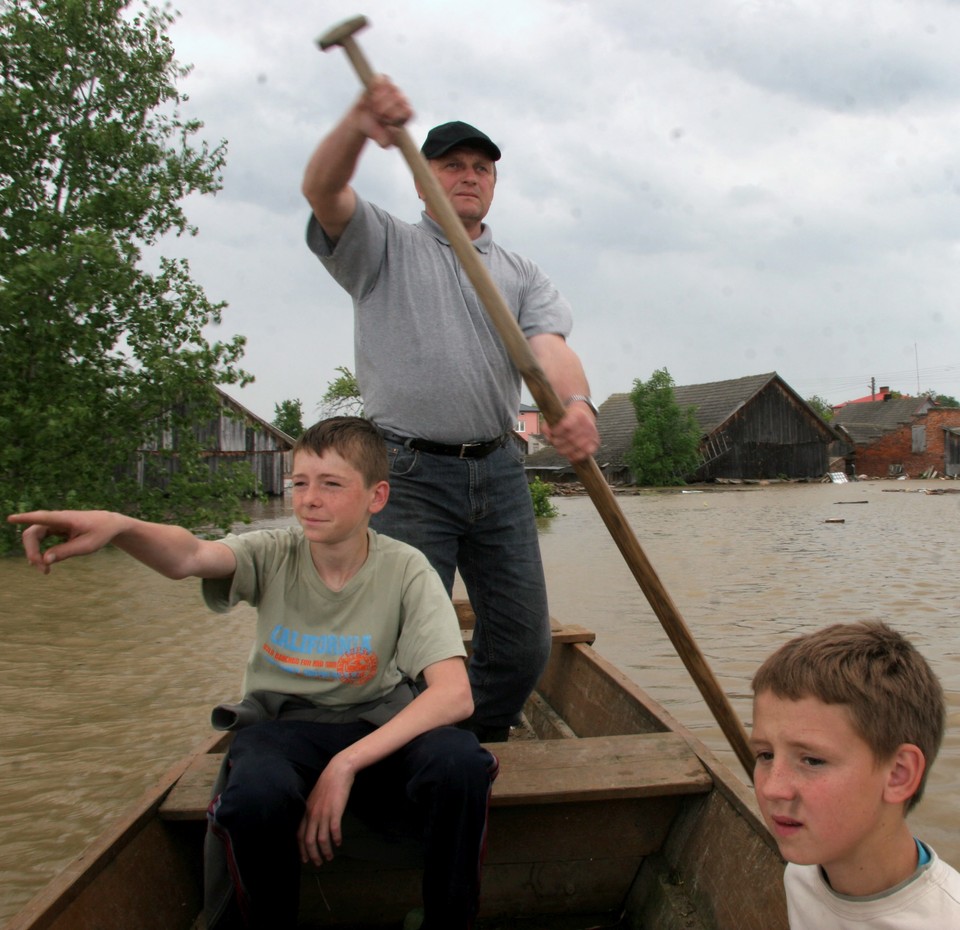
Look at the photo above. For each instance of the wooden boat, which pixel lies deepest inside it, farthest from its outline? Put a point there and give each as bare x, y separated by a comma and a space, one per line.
607, 813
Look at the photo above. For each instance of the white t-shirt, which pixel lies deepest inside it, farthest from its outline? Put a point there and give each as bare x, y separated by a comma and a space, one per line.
929, 899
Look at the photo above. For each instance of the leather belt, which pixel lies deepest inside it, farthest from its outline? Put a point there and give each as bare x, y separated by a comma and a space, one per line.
464, 450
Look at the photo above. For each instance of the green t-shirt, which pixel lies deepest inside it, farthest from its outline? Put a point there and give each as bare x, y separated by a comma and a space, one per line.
336, 648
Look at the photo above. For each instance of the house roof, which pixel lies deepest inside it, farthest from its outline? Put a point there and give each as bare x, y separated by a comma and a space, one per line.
282, 438
882, 394
715, 402
865, 422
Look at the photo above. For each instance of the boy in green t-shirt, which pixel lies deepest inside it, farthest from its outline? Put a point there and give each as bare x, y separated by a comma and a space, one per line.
347, 619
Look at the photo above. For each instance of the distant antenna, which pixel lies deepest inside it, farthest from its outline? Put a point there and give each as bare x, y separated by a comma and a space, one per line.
917, 358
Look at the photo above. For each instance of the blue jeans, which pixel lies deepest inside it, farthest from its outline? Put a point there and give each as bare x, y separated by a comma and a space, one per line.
438, 784
476, 515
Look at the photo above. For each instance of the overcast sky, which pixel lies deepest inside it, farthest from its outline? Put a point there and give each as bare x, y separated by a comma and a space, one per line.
719, 188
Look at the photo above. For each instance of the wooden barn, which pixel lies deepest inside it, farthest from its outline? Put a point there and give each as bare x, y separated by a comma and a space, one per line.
755, 427
234, 434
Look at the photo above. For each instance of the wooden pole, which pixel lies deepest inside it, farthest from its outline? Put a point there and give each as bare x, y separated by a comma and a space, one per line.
553, 410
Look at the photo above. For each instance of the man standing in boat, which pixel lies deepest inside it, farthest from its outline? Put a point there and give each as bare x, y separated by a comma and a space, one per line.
440, 386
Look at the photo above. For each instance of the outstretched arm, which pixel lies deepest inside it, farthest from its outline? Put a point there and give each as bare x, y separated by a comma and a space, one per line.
446, 700
575, 435
326, 181
169, 550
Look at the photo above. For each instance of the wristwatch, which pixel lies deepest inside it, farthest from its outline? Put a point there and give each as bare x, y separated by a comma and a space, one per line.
587, 400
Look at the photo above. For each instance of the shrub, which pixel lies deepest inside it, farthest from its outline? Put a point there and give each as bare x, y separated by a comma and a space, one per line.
542, 505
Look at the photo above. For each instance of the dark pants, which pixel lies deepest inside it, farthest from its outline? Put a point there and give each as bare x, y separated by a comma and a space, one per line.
440, 781
476, 515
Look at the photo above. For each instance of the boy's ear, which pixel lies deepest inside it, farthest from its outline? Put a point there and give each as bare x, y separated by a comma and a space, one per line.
378, 500
906, 770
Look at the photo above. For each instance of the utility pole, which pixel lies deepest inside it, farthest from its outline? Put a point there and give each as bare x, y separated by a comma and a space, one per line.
873, 389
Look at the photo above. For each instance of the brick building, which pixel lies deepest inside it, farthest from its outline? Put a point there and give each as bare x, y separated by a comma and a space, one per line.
903, 436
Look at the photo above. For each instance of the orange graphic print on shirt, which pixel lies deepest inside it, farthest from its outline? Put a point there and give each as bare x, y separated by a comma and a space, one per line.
348, 659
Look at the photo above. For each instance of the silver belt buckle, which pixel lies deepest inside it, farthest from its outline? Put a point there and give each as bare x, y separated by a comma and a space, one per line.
467, 445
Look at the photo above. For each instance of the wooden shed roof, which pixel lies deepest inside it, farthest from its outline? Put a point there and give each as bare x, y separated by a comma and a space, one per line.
283, 440
717, 401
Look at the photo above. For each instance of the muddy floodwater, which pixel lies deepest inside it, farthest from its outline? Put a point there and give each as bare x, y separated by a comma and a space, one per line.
108, 672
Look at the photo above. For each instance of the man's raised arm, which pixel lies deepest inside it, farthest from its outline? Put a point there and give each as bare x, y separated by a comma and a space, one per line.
326, 181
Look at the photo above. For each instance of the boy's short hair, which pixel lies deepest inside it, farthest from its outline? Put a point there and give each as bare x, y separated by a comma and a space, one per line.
892, 693
355, 440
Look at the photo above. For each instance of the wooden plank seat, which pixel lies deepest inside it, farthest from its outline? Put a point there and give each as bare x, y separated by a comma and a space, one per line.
596, 768
560, 632
570, 633
572, 818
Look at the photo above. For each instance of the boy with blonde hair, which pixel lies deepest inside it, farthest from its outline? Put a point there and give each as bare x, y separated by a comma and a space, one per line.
846, 724
346, 620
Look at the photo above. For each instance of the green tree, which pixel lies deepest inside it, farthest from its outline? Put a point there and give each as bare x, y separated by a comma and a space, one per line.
101, 358
288, 416
342, 397
944, 400
667, 438
821, 407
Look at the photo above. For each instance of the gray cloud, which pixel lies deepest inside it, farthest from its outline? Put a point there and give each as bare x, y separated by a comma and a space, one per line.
722, 188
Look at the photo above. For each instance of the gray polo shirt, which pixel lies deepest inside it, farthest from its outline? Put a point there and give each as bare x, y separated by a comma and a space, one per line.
429, 362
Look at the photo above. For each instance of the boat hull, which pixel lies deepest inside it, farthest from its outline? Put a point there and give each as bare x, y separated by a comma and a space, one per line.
611, 813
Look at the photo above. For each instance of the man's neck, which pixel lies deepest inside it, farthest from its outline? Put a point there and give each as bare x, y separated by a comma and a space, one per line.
473, 228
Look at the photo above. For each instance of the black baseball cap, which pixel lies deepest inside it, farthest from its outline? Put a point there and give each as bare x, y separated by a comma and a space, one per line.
448, 136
